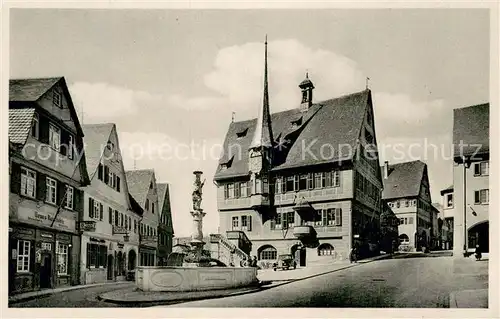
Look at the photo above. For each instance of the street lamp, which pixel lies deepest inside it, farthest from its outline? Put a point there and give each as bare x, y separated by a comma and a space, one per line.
467, 163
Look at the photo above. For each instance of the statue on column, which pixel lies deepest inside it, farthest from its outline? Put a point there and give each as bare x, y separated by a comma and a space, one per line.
197, 193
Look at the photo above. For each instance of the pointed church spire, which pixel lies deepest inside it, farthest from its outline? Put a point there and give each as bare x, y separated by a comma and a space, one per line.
263, 136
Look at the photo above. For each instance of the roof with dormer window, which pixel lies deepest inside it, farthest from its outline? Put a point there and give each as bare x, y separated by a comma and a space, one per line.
336, 122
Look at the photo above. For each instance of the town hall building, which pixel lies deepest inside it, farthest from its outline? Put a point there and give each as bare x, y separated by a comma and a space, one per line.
307, 180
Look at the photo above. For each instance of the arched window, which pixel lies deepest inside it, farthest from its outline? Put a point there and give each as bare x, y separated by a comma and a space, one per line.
325, 250
268, 253
404, 239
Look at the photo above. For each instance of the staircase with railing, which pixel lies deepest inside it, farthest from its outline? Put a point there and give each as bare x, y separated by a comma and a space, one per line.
227, 252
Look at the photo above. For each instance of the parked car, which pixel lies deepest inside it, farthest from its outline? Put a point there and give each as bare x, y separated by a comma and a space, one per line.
285, 262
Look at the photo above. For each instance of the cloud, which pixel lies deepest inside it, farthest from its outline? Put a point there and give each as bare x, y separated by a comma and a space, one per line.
398, 115
239, 70
103, 101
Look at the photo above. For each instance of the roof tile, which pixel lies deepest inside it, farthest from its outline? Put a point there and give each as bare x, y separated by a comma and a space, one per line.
138, 182
335, 122
96, 138
404, 180
20, 124
30, 90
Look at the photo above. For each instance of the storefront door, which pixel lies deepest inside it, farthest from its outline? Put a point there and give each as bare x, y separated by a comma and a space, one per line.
110, 267
46, 271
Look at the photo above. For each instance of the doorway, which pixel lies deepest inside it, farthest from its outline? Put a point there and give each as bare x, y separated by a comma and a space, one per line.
46, 271
131, 259
302, 257
110, 267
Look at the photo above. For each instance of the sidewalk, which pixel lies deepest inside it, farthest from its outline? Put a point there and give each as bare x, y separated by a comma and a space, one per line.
474, 298
45, 292
135, 297
473, 278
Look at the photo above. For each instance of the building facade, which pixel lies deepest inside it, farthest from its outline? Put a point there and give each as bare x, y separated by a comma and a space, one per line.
471, 147
47, 168
448, 208
142, 187
407, 192
165, 226
110, 241
315, 207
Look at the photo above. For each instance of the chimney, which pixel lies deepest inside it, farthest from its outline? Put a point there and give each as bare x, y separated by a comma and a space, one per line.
386, 169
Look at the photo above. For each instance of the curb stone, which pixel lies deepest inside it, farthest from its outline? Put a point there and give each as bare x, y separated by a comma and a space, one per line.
45, 293
214, 295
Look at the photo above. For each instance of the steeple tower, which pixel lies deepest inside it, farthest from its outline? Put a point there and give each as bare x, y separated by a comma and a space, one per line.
263, 136
307, 88
260, 150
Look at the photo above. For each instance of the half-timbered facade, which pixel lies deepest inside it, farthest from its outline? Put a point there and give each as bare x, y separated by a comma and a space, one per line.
47, 169
110, 241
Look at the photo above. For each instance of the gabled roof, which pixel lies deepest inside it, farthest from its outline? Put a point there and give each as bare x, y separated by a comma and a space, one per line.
162, 189
471, 127
138, 182
30, 90
95, 140
22, 91
404, 180
20, 124
336, 122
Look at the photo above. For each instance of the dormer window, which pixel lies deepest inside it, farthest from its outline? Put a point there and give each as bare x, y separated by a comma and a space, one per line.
57, 98
297, 122
242, 133
227, 164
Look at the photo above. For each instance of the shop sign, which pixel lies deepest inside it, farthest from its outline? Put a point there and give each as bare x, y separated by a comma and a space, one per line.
45, 219
87, 225
119, 230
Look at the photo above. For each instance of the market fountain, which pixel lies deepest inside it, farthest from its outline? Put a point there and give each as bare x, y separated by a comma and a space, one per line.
197, 272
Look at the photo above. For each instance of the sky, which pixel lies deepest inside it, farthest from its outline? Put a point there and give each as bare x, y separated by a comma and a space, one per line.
171, 79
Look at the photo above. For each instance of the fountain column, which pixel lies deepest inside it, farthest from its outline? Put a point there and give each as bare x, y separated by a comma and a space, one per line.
197, 213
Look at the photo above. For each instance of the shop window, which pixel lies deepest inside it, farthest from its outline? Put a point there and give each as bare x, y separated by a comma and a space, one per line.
62, 259
96, 255
23, 256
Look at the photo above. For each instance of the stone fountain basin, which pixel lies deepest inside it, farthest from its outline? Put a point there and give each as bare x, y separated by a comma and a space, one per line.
194, 279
